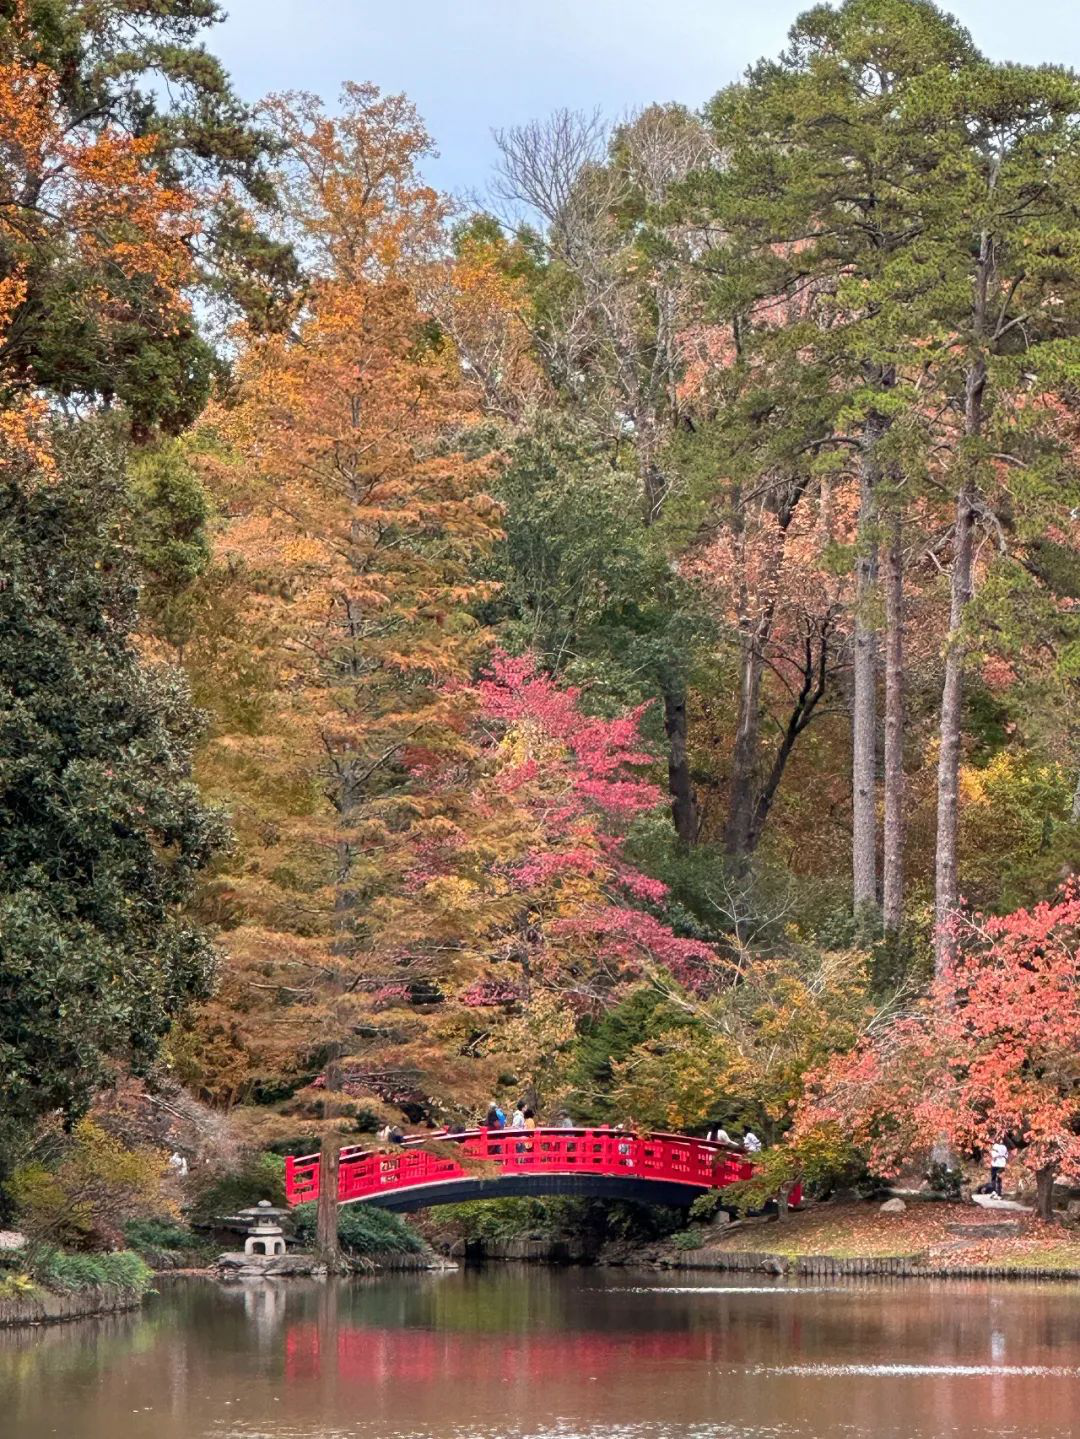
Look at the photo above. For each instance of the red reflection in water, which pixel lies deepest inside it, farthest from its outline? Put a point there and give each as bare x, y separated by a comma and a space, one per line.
416, 1356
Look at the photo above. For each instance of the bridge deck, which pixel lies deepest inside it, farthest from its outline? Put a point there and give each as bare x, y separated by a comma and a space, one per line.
445, 1168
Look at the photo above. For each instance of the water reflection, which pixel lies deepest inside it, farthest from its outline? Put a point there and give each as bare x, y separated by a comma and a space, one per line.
505, 1354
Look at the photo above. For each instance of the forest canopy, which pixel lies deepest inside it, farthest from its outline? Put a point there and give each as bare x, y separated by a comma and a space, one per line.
616, 643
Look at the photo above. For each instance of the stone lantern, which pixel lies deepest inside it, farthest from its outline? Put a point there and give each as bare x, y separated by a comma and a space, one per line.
265, 1236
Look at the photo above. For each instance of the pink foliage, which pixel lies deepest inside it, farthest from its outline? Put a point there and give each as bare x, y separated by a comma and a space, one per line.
993, 1052
488, 993
631, 938
578, 788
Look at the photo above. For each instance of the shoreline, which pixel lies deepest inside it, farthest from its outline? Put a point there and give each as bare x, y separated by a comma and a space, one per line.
826, 1266
45, 1307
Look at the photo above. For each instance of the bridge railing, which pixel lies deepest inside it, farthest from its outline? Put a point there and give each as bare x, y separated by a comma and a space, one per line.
674, 1158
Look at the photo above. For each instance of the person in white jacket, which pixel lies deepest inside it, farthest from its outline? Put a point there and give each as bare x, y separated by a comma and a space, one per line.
999, 1158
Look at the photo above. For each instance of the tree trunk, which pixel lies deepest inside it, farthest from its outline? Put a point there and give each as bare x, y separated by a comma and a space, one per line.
946, 892
864, 698
1044, 1191
327, 1244
680, 786
744, 758
815, 678
893, 835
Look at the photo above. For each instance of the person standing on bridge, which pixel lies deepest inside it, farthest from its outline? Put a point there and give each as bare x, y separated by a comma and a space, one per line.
751, 1143
518, 1122
495, 1118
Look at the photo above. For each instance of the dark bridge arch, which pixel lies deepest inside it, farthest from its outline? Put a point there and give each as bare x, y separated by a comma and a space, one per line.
581, 1186
608, 1163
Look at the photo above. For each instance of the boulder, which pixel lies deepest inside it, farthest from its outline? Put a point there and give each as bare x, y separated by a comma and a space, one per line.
893, 1206
775, 1264
281, 1266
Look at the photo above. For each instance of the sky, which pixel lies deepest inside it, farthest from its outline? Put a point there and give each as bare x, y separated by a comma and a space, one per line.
471, 65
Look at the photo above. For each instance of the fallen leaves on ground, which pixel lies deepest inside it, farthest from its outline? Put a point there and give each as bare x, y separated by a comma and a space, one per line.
861, 1231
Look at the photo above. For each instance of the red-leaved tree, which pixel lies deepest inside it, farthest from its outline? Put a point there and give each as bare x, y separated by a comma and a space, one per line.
992, 1052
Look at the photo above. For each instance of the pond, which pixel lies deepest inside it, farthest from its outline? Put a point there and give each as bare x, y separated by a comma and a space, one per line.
510, 1352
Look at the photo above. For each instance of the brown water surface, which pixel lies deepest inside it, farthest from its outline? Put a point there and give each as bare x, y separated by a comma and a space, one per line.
515, 1353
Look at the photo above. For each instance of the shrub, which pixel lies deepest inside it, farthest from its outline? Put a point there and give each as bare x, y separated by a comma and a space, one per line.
705, 1205
17, 1286
363, 1230
688, 1239
95, 1185
259, 1176
66, 1273
944, 1180
142, 1234
559, 1218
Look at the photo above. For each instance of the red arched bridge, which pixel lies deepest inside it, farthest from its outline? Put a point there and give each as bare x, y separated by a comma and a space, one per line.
493, 1163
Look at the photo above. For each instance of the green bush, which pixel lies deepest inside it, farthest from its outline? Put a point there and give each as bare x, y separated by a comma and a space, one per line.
259, 1176
66, 1273
705, 1205
559, 1218
503, 1218
688, 1239
142, 1234
945, 1181
363, 1230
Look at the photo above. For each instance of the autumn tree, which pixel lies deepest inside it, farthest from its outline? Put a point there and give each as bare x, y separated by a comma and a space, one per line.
88, 228
123, 94
522, 916
360, 523
991, 1054
609, 311
740, 1055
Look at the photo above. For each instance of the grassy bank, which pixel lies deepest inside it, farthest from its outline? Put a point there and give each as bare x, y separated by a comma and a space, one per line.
924, 1233
43, 1284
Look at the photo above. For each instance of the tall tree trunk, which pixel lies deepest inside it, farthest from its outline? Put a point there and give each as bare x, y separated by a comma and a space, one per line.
864, 697
684, 815
680, 786
1044, 1191
742, 788
946, 891
327, 1244
893, 832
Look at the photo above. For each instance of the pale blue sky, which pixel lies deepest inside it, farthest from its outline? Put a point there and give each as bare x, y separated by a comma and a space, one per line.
470, 65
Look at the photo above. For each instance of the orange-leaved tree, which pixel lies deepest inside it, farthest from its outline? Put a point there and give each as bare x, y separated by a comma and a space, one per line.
992, 1054
88, 208
359, 518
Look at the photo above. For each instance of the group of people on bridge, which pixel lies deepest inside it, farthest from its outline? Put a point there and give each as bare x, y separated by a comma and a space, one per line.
523, 1116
